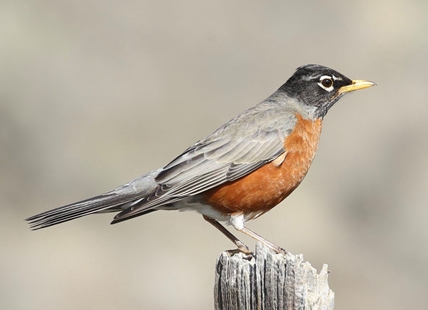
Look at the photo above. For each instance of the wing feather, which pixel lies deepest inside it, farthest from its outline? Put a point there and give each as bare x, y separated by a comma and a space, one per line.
236, 149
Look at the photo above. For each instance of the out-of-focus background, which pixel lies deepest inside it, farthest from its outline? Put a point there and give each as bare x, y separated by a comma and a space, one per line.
95, 93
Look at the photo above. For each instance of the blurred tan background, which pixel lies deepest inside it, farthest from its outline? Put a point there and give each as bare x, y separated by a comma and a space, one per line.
96, 93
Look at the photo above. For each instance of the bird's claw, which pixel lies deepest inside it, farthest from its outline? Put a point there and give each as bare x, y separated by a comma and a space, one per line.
280, 250
242, 249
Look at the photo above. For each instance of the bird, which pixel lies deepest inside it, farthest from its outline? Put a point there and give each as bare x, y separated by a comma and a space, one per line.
238, 172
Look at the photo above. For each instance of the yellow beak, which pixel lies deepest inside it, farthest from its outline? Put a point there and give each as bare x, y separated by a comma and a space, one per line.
356, 85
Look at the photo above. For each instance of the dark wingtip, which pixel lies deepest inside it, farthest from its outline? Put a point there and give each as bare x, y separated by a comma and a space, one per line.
115, 222
127, 215
122, 216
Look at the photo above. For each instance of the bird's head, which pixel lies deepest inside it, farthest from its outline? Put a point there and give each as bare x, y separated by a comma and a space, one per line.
320, 87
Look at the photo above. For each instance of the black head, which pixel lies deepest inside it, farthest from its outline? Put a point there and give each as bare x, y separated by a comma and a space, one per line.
320, 87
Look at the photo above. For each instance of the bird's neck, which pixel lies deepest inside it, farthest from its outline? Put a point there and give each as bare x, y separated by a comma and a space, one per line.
295, 105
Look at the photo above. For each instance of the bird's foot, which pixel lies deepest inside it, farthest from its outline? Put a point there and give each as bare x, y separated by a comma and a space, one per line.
241, 249
279, 250
247, 255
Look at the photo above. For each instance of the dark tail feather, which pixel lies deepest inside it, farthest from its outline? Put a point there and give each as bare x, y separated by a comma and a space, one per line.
102, 203
113, 201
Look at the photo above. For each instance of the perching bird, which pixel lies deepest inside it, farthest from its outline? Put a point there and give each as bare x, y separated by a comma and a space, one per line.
240, 171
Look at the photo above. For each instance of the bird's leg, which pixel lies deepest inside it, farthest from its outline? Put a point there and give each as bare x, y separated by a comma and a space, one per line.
238, 221
241, 246
269, 244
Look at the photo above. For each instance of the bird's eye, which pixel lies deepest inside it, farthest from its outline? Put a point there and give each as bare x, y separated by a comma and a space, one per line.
326, 82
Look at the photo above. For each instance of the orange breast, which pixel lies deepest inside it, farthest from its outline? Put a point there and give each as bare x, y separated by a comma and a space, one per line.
264, 188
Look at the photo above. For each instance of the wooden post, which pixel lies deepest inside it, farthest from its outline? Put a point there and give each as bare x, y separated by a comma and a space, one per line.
270, 281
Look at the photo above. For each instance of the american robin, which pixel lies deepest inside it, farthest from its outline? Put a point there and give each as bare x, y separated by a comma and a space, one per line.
240, 171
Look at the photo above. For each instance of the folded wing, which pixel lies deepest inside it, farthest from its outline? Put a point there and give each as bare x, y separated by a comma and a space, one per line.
236, 149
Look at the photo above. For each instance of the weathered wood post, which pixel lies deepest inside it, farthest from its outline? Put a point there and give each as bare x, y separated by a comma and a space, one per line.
270, 281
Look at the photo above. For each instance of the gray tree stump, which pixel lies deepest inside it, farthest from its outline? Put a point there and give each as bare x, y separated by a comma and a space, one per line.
270, 281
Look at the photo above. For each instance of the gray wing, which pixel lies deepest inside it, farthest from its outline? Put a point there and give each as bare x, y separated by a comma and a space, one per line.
236, 149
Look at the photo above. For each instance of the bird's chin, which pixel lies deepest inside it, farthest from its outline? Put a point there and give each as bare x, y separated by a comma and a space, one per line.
324, 108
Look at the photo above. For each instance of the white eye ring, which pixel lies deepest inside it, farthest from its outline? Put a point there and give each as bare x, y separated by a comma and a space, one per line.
325, 78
